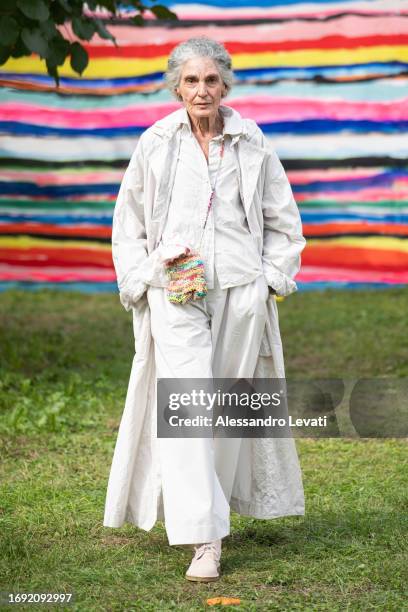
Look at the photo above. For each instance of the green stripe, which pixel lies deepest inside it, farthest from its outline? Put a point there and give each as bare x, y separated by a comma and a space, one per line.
109, 205
64, 168
57, 204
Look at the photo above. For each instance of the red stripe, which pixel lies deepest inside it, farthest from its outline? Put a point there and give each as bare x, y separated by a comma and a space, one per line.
234, 47
341, 256
57, 230
48, 256
323, 229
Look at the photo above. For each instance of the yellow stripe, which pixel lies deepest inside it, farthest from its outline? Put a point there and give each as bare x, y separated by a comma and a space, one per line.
25, 242
386, 243
370, 242
117, 67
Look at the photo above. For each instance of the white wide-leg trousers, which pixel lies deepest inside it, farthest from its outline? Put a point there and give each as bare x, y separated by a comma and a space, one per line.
216, 337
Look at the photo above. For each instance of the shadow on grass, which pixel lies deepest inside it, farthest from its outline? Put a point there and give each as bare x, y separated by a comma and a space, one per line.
315, 537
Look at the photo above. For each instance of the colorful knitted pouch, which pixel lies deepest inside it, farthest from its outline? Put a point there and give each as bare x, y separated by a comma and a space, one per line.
186, 278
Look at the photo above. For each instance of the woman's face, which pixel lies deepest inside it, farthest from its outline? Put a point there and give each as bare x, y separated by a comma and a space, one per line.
201, 87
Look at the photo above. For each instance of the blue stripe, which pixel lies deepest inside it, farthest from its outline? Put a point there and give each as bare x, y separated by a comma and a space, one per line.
101, 287
282, 71
81, 82
105, 287
29, 129
307, 126
323, 217
347, 185
365, 286
25, 188
107, 220
57, 191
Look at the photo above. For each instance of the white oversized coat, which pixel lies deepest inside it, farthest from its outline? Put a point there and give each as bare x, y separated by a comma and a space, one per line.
134, 487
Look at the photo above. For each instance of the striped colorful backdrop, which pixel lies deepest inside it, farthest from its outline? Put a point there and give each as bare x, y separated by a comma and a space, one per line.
326, 80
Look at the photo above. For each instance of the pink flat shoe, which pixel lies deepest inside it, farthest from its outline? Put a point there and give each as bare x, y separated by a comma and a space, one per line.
205, 566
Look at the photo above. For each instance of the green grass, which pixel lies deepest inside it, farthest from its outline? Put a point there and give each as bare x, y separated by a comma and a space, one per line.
65, 365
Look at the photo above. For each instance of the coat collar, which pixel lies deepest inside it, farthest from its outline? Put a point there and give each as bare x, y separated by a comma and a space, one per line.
234, 125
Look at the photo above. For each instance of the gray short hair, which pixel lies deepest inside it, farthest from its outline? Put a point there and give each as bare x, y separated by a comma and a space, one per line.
198, 47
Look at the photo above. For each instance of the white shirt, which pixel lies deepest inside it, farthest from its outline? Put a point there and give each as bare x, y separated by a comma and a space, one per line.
227, 244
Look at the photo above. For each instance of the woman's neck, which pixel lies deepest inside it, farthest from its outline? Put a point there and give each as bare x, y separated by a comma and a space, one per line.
205, 127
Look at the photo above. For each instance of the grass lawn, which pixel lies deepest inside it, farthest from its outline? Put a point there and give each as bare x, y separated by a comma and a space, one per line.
65, 365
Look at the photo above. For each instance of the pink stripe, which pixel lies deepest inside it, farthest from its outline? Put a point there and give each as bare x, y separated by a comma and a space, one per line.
97, 197
55, 274
301, 177
136, 115
263, 109
310, 274
203, 12
298, 177
372, 194
307, 274
351, 26
262, 13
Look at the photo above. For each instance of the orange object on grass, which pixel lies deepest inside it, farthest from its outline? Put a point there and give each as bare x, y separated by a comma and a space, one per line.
223, 601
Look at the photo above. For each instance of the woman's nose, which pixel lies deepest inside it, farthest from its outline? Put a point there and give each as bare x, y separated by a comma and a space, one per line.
202, 89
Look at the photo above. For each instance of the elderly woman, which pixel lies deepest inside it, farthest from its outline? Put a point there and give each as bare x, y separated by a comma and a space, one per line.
202, 178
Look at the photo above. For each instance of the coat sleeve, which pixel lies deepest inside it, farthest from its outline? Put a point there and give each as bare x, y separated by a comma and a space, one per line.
283, 240
129, 242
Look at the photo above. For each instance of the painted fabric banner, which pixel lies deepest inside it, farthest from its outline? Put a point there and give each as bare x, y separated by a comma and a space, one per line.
327, 81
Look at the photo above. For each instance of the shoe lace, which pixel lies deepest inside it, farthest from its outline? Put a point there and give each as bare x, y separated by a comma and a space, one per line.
204, 548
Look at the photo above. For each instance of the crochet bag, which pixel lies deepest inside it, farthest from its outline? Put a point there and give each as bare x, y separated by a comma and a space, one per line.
186, 278
186, 271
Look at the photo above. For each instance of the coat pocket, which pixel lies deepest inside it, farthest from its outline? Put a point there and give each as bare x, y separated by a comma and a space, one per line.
265, 349
271, 331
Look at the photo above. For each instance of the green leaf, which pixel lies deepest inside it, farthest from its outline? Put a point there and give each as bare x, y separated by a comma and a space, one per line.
76, 7
53, 72
102, 31
34, 9
79, 58
19, 49
58, 14
83, 28
110, 5
48, 29
35, 41
162, 12
65, 5
58, 50
138, 20
8, 5
5, 53
138, 5
9, 30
